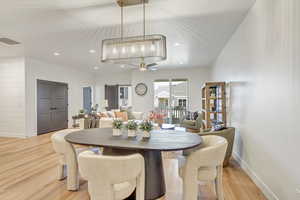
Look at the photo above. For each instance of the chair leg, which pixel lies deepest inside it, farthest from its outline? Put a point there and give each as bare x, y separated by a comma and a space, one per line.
61, 172
72, 169
219, 183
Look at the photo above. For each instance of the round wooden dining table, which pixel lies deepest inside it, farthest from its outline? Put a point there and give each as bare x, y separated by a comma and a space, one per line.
161, 140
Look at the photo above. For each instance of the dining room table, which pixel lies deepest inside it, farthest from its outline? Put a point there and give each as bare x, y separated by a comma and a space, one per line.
151, 149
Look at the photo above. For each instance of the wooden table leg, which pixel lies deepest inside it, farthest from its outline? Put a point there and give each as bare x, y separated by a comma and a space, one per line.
154, 173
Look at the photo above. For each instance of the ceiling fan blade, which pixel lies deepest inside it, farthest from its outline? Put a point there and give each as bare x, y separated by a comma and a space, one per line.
152, 65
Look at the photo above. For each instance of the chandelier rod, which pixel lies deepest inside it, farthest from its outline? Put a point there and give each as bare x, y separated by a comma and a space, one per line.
144, 21
122, 19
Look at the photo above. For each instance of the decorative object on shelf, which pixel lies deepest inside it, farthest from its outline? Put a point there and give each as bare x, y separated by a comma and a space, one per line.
217, 125
141, 89
117, 127
132, 128
94, 109
146, 126
81, 113
105, 104
142, 51
214, 105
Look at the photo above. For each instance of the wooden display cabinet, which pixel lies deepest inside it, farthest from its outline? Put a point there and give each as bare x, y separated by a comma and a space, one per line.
213, 103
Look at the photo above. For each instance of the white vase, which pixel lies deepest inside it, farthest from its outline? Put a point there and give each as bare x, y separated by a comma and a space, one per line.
117, 132
146, 134
131, 133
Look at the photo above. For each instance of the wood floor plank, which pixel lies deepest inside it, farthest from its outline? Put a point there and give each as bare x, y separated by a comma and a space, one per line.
28, 172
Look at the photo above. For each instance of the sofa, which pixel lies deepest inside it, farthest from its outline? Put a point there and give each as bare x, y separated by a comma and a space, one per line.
107, 118
192, 125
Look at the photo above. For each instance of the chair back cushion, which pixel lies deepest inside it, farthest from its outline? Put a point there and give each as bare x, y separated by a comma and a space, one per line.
211, 153
58, 140
110, 169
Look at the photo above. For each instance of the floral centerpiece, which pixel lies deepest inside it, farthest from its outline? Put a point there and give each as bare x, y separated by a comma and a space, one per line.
146, 127
157, 117
117, 126
132, 128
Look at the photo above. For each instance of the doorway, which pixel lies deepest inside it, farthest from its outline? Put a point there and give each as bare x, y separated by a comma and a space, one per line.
52, 106
87, 99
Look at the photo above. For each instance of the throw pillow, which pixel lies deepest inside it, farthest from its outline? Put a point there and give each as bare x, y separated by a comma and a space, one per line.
195, 115
129, 112
103, 114
122, 115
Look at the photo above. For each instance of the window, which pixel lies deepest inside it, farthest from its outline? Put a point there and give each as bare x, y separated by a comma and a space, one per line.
171, 97
182, 103
125, 96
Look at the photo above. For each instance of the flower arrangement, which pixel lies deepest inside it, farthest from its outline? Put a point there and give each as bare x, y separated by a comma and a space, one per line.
146, 127
157, 117
132, 127
117, 124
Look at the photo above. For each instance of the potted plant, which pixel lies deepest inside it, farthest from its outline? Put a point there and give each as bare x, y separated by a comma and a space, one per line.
132, 127
146, 127
117, 126
81, 113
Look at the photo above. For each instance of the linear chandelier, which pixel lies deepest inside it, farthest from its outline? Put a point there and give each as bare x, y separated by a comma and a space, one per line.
142, 51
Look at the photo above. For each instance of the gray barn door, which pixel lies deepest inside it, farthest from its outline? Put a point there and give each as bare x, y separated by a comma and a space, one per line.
87, 99
112, 96
52, 106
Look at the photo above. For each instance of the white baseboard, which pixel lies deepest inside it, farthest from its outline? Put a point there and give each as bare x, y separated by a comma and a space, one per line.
13, 135
270, 195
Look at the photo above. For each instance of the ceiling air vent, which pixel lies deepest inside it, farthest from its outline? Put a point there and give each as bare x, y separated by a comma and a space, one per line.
8, 42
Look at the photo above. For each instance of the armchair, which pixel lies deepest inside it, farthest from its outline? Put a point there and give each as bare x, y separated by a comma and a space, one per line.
194, 125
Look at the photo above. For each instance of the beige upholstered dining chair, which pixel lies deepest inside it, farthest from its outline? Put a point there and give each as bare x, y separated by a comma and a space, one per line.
203, 164
68, 165
113, 177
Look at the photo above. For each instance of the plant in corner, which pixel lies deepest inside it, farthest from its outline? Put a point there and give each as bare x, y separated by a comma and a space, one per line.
146, 127
132, 127
117, 126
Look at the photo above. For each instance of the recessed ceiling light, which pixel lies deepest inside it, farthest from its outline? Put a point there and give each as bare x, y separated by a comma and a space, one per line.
96, 68
177, 44
56, 54
92, 51
122, 66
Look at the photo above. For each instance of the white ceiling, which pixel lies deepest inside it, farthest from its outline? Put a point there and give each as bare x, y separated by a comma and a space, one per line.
72, 28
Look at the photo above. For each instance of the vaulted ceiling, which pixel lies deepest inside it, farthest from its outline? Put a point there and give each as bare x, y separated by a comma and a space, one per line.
196, 30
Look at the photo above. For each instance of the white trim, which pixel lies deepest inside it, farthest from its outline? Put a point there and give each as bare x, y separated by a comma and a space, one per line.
270, 195
13, 135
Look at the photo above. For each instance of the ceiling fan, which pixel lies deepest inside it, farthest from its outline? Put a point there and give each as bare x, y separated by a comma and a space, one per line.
144, 67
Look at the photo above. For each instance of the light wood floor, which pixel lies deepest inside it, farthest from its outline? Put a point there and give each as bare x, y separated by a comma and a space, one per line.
28, 172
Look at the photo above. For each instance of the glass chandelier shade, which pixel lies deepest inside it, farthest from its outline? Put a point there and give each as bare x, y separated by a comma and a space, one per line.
134, 50
143, 51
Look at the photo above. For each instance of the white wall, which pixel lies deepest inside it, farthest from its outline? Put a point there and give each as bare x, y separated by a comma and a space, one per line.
75, 79
262, 62
196, 76
12, 97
